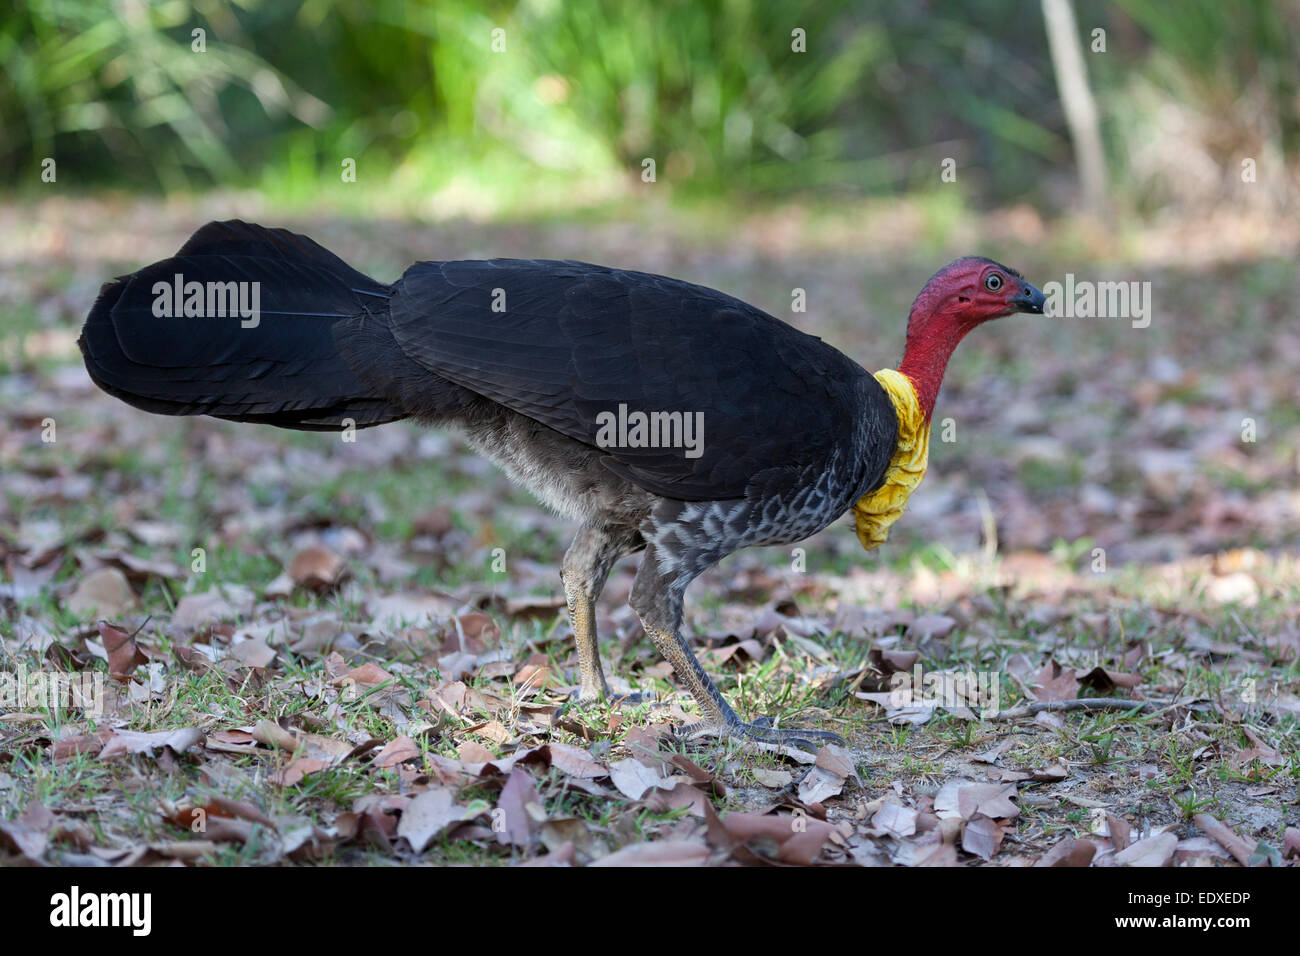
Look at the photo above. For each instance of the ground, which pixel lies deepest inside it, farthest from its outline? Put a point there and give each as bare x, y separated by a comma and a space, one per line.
315, 649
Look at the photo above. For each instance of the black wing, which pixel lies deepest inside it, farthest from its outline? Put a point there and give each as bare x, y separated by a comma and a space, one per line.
569, 341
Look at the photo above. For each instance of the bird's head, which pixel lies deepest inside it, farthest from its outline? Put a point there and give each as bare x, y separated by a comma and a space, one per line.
957, 298
969, 291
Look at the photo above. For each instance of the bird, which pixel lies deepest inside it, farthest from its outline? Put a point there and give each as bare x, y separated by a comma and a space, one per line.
665, 418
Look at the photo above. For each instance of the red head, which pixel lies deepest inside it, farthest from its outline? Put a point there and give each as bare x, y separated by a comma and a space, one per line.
957, 298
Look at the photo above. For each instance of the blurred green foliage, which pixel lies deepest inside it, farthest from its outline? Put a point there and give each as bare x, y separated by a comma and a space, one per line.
711, 90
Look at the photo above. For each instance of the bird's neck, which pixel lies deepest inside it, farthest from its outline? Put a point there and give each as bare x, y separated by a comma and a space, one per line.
930, 343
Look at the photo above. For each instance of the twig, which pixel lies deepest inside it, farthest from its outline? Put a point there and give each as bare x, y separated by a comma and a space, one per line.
1080, 703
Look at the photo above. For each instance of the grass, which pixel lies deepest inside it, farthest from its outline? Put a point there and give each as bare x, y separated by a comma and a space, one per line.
252, 497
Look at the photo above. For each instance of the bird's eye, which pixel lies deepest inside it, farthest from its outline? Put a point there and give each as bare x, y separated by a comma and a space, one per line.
993, 282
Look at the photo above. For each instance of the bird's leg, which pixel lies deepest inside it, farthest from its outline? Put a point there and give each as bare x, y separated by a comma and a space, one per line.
658, 602
586, 566
582, 617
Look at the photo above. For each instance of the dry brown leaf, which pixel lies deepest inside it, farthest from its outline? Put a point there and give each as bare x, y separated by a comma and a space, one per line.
1197, 850
773, 778
133, 742
573, 761
124, 656
68, 747
938, 854
271, 734
962, 800
633, 778
698, 775
317, 568
428, 815
1157, 850
1053, 683
799, 838
522, 810
1103, 681
231, 741
1068, 852
658, 853
366, 676
103, 593
298, 768
982, 837
28, 835
411, 609
931, 625
895, 820
194, 611
253, 653
1239, 847
1119, 831
1291, 844
819, 784
397, 751
471, 751
678, 794
141, 569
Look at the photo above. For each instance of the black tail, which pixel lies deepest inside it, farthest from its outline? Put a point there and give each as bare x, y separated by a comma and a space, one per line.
278, 364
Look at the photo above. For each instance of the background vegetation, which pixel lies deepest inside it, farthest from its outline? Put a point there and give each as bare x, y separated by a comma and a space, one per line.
1111, 510
585, 90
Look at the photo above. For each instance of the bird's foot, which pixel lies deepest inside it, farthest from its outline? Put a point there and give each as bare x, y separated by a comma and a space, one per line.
761, 731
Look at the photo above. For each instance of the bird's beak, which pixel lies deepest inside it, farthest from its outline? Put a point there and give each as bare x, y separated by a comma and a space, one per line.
1028, 299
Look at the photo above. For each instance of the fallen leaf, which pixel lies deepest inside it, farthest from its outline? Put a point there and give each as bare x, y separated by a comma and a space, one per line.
895, 820
123, 654
366, 676
409, 609
658, 853
1053, 683
963, 800
1239, 847
397, 751
103, 593
517, 825
1195, 850
1104, 681
299, 767
317, 568
573, 761
773, 778
134, 742
819, 784
1155, 850
1291, 844
1068, 852
633, 778
253, 653
430, 813
194, 611
981, 837
931, 625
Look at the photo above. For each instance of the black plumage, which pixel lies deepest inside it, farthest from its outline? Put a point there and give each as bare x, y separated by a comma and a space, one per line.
525, 356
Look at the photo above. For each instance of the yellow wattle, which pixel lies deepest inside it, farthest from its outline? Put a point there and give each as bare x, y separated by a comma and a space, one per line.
875, 513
